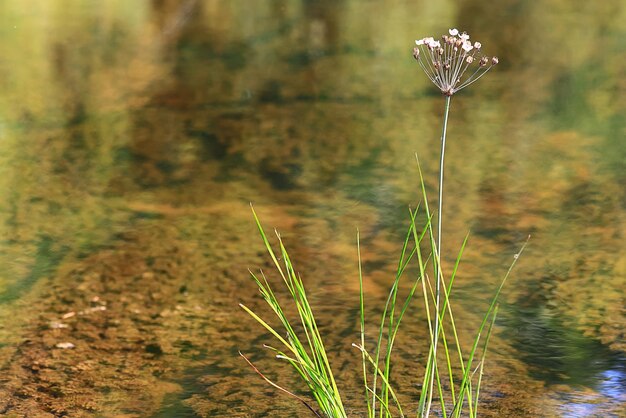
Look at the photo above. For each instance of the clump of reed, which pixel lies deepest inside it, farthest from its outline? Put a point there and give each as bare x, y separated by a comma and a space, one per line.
452, 374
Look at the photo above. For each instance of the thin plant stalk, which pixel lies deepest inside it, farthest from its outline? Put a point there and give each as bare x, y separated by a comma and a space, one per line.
482, 360
437, 264
389, 310
282, 389
492, 307
370, 412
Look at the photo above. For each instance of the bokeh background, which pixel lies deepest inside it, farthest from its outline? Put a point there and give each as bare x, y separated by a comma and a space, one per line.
134, 135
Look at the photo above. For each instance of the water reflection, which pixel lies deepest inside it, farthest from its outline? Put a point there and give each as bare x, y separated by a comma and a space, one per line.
611, 385
134, 136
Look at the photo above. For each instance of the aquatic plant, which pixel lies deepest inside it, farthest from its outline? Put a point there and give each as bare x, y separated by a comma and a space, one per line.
445, 63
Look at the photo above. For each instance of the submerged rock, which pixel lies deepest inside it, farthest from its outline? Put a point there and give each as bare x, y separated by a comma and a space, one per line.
65, 345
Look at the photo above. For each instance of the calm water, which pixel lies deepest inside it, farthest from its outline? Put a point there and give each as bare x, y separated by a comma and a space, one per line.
134, 135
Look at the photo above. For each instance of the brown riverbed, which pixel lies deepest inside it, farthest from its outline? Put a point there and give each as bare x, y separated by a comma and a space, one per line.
133, 140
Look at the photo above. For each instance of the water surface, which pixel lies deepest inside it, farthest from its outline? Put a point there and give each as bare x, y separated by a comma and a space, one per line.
134, 135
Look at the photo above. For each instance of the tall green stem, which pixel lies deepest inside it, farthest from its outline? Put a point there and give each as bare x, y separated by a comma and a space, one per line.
440, 209
437, 263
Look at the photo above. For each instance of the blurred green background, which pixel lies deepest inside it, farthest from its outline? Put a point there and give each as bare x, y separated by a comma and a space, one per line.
134, 135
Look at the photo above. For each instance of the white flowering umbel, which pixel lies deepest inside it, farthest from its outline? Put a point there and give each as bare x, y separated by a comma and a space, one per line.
446, 62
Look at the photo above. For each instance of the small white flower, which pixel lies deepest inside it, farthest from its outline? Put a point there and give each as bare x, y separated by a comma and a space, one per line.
464, 36
477, 45
453, 32
428, 40
467, 46
419, 42
434, 44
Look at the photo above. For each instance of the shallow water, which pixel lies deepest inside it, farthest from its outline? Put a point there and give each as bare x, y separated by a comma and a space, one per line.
133, 137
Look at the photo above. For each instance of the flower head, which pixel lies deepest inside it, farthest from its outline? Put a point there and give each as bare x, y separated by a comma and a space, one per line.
445, 62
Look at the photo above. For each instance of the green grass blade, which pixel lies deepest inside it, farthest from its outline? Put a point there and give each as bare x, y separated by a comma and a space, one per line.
482, 360
382, 376
491, 308
438, 274
446, 350
381, 401
402, 265
268, 246
267, 327
370, 412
